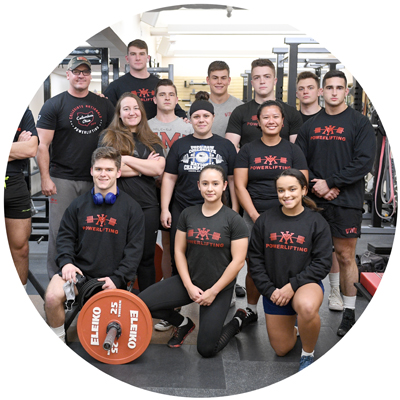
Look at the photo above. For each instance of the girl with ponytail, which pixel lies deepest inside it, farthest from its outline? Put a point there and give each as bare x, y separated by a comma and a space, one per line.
290, 253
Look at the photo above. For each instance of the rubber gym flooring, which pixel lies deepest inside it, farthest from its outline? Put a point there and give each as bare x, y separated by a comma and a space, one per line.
246, 364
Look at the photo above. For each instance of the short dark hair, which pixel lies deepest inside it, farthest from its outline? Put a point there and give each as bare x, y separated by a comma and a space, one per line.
307, 75
334, 73
164, 82
140, 44
263, 62
218, 66
109, 153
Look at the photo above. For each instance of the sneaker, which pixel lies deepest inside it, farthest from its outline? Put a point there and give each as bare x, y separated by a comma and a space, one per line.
305, 361
162, 326
250, 317
240, 291
335, 301
240, 314
348, 321
180, 334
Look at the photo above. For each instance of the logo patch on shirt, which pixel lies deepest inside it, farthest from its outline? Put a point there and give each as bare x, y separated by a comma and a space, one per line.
288, 241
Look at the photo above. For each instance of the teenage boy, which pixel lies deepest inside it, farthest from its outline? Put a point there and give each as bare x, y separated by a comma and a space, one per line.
242, 126
138, 80
339, 144
308, 92
218, 80
101, 236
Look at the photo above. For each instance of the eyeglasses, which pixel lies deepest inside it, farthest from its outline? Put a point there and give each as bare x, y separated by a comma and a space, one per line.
85, 72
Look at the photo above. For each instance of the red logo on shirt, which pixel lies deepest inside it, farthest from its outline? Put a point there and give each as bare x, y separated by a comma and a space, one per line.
287, 239
329, 133
101, 224
205, 237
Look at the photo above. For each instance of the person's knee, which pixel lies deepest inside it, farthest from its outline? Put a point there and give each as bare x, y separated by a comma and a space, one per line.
54, 295
281, 348
206, 350
307, 310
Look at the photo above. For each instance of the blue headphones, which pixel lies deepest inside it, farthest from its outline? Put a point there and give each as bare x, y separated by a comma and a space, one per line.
109, 199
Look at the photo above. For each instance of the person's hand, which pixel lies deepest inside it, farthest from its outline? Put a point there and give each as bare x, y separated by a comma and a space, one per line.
194, 293
332, 194
166, 219
320, 187
69, 272
48, 187
153, 156
24, 136
281, 297
108, 283
207, 297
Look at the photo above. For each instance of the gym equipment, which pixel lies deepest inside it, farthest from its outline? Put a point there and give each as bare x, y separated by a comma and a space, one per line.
115, 326
370, 281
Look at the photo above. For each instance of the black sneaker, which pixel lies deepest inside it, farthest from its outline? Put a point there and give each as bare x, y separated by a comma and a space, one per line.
250, 317
180, 334
348, 321
240, 291
240, 314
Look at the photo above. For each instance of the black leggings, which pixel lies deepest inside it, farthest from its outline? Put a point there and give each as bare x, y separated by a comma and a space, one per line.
168, 294
146, 271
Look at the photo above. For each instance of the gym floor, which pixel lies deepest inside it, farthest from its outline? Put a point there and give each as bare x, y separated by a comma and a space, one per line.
247, 363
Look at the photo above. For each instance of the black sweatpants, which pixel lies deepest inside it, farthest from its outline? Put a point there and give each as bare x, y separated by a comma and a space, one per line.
146, 271
162, 297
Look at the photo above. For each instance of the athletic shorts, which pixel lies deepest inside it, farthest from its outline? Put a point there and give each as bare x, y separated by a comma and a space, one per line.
344, 222
17, 199
273, 309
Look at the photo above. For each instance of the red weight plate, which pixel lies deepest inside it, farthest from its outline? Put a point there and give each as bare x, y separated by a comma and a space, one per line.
120, 306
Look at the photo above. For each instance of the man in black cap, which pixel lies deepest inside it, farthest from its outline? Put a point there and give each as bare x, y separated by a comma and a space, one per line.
69, 125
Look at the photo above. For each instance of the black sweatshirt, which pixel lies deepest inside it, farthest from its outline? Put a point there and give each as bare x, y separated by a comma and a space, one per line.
340, 149
285, 249
102, 240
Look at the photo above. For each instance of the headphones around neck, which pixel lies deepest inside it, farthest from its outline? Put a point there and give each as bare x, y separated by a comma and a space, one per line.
109, 199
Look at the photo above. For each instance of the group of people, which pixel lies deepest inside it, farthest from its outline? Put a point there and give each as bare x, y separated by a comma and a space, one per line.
227, 183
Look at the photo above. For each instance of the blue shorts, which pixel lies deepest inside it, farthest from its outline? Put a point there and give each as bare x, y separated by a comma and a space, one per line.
273, 309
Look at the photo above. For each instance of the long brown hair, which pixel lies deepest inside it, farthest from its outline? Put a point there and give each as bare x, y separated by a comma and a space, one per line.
117, 135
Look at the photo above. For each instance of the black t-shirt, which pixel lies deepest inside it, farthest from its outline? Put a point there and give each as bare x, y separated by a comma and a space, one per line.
142, 188
143, 88
264, 163
285, 249
77, 123
243, 122
27, 123
209, 241
340, 149
188, 156
307, 117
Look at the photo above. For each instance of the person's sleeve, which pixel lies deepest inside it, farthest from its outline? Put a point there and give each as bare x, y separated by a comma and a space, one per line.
299, 159
180, 112
111, 93
321, 257
362, 161
66, 238
235, 122
171, 162
110, 113
133, 250
47, 118
242, 157
302, 141
239, 228
257, 260
295, 123
232, 154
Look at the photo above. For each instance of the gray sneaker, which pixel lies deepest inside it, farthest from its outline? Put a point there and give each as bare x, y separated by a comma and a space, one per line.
162, 326
335, 301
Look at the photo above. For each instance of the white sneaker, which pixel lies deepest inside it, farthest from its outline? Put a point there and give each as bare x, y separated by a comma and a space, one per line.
162, 326
335, 301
